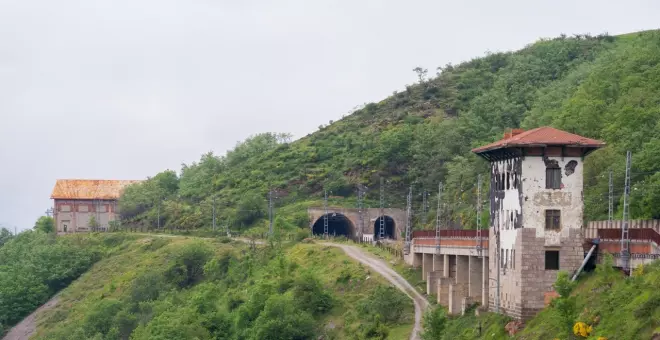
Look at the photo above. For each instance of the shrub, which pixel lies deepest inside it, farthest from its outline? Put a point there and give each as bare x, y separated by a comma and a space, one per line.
310, 295
434, 324
188, 266
386, 303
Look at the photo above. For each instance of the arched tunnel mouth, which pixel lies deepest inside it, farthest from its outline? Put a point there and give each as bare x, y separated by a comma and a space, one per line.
338, 225
390, 227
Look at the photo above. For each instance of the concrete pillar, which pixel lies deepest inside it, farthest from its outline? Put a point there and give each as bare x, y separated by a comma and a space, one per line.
443, 291
484, 281
432, 282
462, 269
475, 279
427, 265
455, 299
445, 266
438, 263
417, 259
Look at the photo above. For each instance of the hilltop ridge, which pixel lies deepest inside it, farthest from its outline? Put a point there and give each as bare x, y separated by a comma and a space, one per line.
603, 87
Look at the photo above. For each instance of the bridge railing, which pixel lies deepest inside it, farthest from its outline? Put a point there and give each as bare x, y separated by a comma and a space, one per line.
642, 234
450, 233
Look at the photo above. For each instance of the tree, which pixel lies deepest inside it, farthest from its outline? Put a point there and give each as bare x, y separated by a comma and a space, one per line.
45, 224
93, 224
5, 235
421, 74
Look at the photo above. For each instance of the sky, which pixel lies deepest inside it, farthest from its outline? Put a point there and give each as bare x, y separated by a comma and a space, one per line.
124, 89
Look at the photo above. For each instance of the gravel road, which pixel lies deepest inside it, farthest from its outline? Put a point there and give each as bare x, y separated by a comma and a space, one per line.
378, 265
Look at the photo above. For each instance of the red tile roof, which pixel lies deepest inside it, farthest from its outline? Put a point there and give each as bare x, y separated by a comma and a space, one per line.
89, 189
542, 136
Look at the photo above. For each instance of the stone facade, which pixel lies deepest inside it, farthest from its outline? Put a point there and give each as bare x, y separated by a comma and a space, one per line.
370, 217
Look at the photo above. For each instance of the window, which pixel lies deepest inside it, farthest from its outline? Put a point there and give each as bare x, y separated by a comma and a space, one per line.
552, 219
83, 208
502, 258
553, 177
551, 260
513, 258
100, 208
65, 208
506, 263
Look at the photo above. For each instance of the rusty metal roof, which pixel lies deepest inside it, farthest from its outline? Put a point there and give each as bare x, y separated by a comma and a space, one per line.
89, 189
542, 136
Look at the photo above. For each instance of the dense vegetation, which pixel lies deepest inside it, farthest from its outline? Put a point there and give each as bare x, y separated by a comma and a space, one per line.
35, 265
602, 87
189, 288
603, 305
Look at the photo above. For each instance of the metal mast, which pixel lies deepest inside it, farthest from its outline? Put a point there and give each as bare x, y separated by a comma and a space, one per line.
625, 238
610, 211
381, 232
361, 212
479, 240
325, 216
408, 222
438, 218
424, 207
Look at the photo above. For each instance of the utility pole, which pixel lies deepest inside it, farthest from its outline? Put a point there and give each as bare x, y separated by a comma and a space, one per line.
610, 211
49, 212
438, 219
270, 212
381, 232
424, 207
408, 222
625, 237
214, 213
479, 240
325, 216
498, 260
360, 212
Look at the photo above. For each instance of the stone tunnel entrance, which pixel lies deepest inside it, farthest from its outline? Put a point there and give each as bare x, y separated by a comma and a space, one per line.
390, 228
338, 225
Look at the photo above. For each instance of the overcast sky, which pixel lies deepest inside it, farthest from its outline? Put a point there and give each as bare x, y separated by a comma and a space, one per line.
124, 89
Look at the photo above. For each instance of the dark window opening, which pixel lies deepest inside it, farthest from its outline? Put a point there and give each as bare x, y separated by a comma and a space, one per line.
551, 260
552, 219
553, 178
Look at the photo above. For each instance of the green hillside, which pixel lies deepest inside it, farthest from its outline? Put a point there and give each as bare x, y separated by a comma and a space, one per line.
194, 288
604, 87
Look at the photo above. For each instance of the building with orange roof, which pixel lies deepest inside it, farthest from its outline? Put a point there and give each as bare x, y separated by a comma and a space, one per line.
78, 201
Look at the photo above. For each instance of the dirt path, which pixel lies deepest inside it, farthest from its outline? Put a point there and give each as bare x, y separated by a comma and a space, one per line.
421, 304
24, 329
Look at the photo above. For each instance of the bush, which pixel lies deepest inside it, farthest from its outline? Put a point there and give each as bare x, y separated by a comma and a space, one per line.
188, 266
385, 303
434, 324
310, 295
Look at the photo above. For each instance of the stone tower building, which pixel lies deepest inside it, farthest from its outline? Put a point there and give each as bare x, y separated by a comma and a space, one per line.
536, 214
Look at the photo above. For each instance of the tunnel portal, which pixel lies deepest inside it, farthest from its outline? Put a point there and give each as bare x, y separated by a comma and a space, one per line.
338, 225
390, 227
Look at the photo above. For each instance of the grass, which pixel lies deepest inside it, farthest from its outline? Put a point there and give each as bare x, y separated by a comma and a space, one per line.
111, 279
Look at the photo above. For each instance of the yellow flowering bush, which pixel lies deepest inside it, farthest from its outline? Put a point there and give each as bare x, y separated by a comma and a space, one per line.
581, 329
602, 338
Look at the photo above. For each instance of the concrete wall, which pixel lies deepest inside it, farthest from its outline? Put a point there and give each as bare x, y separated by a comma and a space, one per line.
75, 214
370, 216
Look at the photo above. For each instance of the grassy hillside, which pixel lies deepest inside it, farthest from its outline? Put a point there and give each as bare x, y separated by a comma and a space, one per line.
602, 87
34, 266
188, 288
